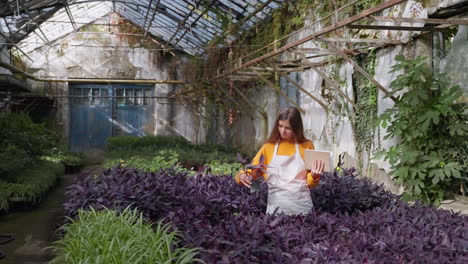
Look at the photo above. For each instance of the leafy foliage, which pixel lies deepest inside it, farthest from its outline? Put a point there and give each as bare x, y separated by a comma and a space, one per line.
147, 147
107, 237
430, 125
354, 221
222, 168
153, 165
21, 141
157, 194
60, 154
365, 108
344, 193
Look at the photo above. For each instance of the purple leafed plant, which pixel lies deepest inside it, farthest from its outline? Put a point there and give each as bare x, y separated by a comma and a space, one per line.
354, 221
343, 192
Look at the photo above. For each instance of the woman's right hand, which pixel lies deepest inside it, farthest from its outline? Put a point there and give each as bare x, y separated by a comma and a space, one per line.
245, 179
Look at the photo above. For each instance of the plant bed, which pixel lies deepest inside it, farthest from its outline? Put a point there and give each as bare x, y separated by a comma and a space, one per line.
125, 147
354, 221
110, 237
26, 189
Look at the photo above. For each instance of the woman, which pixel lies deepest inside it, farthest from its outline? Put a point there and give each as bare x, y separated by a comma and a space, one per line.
288, 180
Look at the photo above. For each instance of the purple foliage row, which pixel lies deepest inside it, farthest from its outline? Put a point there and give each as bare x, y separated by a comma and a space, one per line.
354, 221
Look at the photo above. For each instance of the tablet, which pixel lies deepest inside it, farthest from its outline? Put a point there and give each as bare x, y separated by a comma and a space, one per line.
310, 155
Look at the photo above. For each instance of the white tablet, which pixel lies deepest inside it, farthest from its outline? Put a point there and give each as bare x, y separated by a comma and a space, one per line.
311, 155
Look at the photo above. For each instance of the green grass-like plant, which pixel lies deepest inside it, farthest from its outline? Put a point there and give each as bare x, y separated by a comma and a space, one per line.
30, 184
103, 237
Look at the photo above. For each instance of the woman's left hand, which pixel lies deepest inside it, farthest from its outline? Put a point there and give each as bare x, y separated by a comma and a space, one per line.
317, 167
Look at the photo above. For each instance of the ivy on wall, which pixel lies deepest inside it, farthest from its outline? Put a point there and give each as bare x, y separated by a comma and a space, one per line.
366, 97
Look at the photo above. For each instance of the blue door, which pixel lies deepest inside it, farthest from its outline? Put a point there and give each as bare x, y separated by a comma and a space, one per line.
99, 111
133, 110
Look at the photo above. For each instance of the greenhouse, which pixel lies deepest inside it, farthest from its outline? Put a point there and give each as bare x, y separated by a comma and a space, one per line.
233, 131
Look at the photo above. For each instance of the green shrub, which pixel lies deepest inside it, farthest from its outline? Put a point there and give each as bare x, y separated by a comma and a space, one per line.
430, 160
109, 237
20, 131
21, 141
13, 158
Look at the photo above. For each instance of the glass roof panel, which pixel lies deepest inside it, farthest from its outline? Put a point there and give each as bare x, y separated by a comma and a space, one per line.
186, 24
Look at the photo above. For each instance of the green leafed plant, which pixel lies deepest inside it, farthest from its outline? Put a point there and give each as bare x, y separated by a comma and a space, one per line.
430, 160
169, 161
110, 237
222, 168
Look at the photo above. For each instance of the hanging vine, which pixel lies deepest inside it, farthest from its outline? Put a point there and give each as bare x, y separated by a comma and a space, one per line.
366, 94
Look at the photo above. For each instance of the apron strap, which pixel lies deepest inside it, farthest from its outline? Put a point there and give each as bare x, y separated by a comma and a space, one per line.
297, 149
276, 149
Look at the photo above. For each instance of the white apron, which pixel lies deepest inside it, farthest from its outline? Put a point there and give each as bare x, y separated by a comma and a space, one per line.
287, 184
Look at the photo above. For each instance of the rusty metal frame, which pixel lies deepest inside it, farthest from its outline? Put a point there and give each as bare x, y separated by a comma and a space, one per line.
334, 85
336, 26
345, 54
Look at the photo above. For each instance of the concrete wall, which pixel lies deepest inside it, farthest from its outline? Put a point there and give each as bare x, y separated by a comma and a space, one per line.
4, 52
110, 55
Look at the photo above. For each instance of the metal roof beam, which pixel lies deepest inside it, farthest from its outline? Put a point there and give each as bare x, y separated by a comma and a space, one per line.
4, 12
152, 17
194, 22
245, 19
69, 13
147, 13
182, 23
37, 22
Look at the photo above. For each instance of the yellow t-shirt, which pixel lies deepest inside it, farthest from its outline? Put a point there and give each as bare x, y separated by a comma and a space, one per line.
285, 148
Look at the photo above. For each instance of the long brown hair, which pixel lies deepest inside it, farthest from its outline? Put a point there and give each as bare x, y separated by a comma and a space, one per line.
294, 116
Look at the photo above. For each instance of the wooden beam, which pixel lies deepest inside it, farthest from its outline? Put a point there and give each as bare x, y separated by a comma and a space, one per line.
334, 85
271, 85
462, 21
400, 28
262, 113
361, 70
363, 40
253, 73
305, 91
325, 51
302, 29
316, 34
